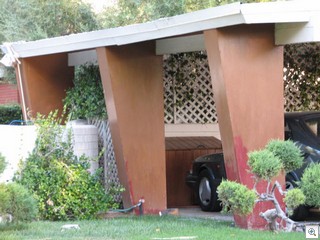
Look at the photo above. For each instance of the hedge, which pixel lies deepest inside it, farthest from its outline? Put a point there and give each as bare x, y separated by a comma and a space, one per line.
9, 113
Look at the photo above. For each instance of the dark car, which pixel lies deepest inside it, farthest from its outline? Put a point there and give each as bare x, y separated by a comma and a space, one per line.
208, 171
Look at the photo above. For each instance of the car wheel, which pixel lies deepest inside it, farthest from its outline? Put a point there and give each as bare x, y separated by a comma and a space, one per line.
301, 212
207, 195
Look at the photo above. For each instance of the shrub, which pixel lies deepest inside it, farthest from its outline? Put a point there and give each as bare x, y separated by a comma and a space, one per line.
86, 99
60, 180
236, 197
293, 199
310, 185
264, 164
3, 163
17, 200
9, 113
288, 153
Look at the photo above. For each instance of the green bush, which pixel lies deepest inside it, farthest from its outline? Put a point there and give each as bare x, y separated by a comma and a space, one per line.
60, 181
293, 199
288, 153
264, 164
3, 163
310, 185
86, 99
9, 113
17, 201
236, 198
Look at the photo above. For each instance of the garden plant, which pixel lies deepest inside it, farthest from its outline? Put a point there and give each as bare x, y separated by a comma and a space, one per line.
266, 164
60, 180
16, 202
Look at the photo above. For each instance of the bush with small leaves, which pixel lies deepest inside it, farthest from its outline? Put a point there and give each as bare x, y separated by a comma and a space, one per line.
293, 199
17, 201
236, 198
264, 164
289, 154
59, 180
310, 185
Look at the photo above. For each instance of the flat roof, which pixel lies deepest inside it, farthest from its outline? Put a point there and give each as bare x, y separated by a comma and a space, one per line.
296, 21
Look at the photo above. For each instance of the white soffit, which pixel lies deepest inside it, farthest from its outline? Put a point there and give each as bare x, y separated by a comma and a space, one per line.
80, 58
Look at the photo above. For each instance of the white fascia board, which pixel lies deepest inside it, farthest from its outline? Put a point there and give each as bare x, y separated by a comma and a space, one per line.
167, 27
298, 33
277, 12
81, 58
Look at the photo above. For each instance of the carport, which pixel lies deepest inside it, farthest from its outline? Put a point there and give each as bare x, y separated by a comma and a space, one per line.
245, 53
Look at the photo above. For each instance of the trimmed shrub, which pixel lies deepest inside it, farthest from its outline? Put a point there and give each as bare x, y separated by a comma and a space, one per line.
310, 185
17, 201
293, 199
264, 164
288, 153
9, 113
236, 198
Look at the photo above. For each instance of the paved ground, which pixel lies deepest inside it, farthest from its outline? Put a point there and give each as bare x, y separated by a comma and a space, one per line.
196, 212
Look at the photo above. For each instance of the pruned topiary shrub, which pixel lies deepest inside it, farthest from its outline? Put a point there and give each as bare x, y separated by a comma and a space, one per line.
266, 164
236, 197
293, 199
288, 153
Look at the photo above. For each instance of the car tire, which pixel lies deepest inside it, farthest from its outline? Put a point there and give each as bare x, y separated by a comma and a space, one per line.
206, 192
301, 212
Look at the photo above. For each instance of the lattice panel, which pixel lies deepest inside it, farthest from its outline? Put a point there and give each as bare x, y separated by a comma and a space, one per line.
188, 91
108, 161
302, 77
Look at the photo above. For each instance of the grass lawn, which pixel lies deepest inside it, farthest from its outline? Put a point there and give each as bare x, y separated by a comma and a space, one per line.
147, 227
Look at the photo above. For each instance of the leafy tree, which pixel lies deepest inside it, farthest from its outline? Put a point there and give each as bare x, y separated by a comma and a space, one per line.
127, 12
37, 19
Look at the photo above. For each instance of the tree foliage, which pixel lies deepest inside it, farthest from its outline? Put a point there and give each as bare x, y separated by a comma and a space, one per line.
127, 12
37, 19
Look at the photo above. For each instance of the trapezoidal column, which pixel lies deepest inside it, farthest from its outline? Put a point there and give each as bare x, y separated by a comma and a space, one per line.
133, 86
247, 77
45, 80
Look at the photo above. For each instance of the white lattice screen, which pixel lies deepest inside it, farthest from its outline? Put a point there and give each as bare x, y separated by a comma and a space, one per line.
188, 92
108, 161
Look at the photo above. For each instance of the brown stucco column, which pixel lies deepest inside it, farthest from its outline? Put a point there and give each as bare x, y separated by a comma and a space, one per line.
246, 70
132, 82
44, 82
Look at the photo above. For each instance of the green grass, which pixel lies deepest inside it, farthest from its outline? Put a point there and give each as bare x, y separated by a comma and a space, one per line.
147, 227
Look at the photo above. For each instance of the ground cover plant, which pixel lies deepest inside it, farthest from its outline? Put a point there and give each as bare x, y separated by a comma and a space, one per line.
146, 227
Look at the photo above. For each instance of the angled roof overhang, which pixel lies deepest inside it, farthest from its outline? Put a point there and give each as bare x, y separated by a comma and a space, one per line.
295, 21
